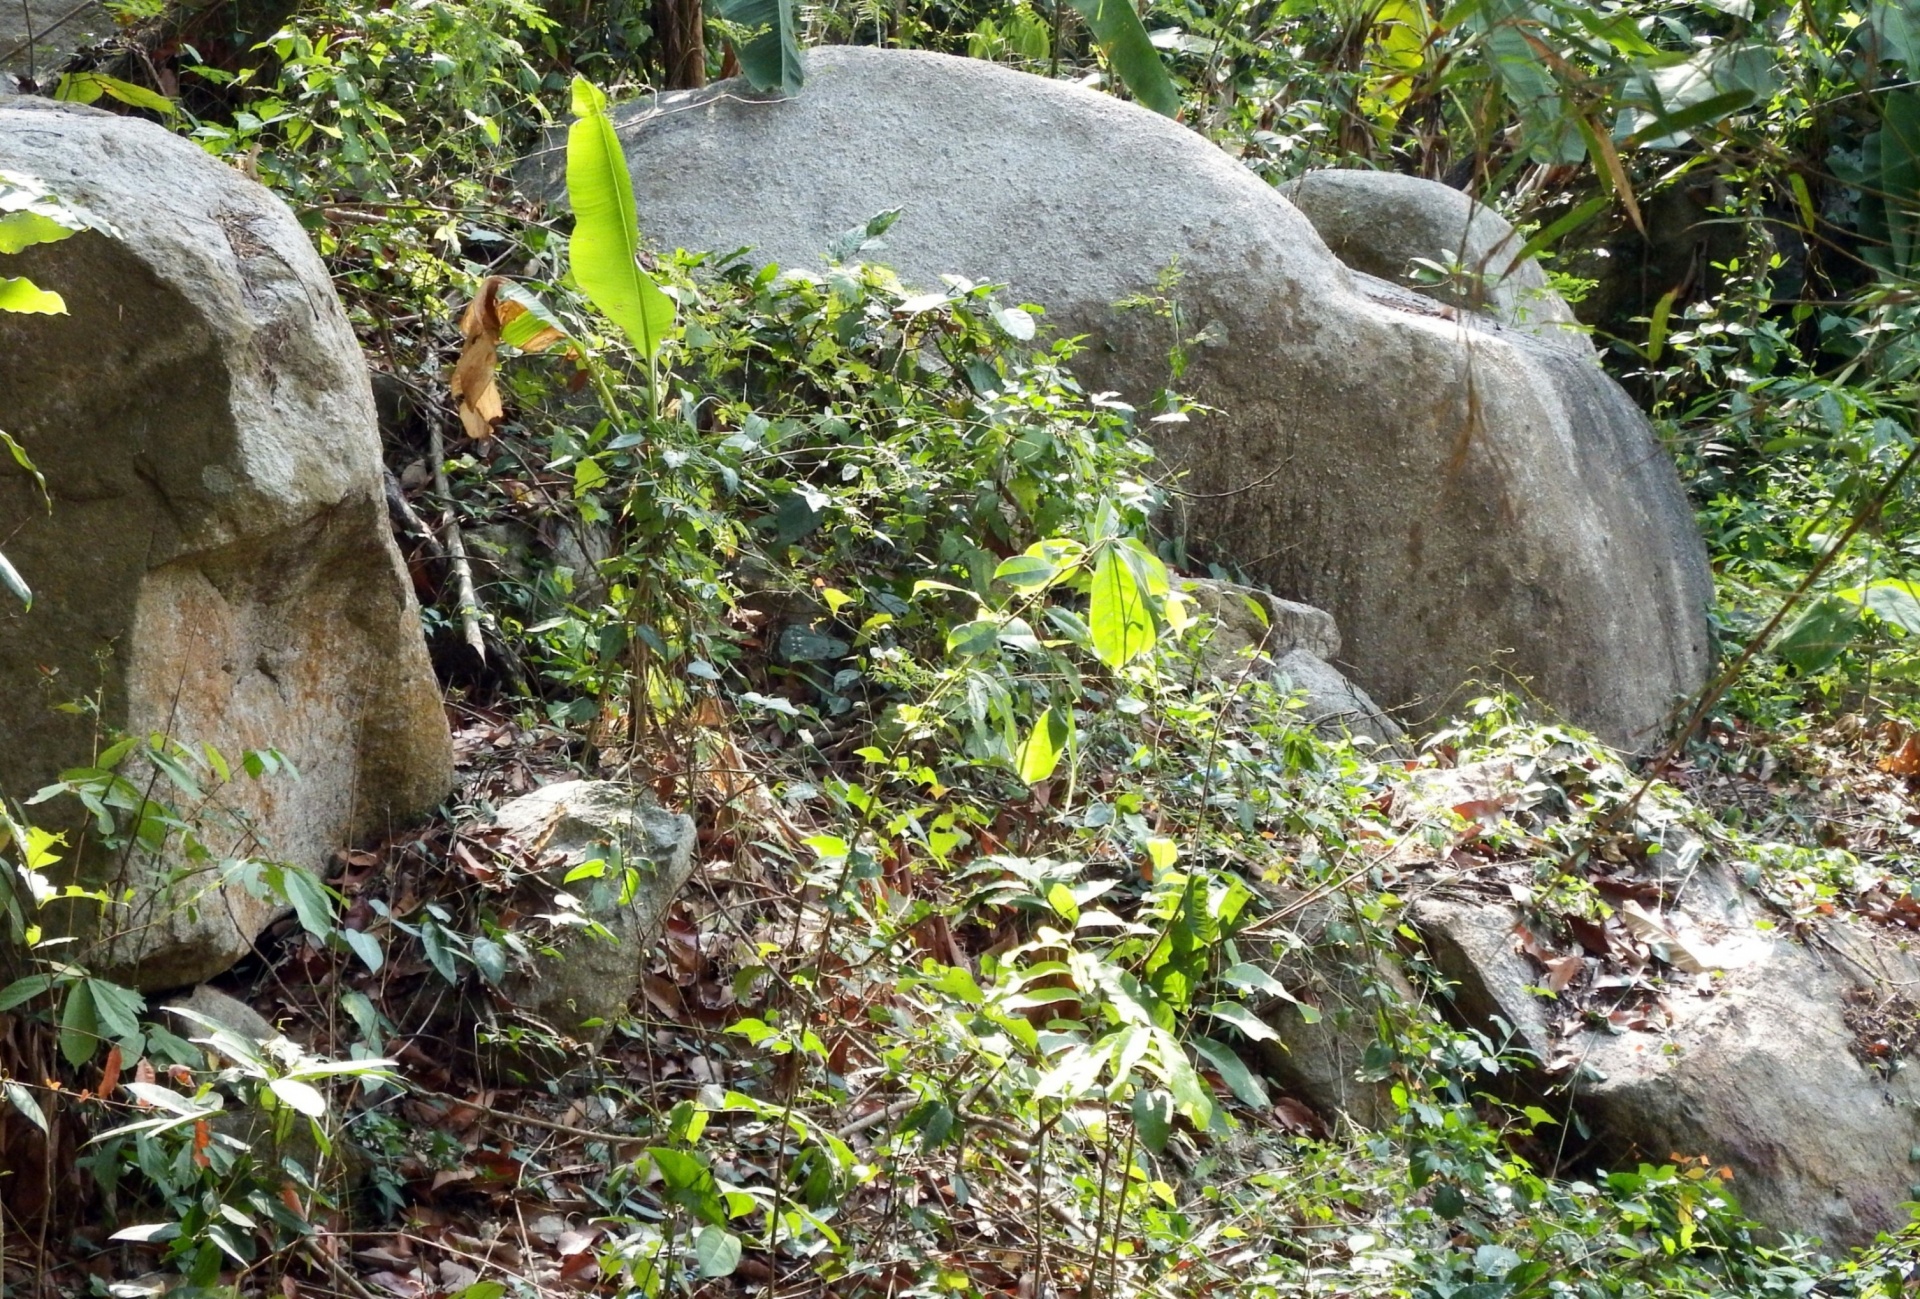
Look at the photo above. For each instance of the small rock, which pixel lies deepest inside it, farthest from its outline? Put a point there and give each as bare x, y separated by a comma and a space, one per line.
1333, 705
589, 980
1288, 643
1246, 619
228, 1012
1322, 1059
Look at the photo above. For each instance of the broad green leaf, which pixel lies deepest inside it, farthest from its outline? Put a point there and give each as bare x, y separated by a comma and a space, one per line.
717, 1250
86, 87
1251, 978
1657, 325
1060, 898
1233, 1070
24, 990
1027, 572
299, 1096
309, 899
1040, 755
1016, 321
979, 636
1153, 1118
23, 295
1550, 131
366, 947
165, 1098
79, 1025
771, 57
1232, 1012
1121, 623
1191, 1095
490, 959
606, 228
117, 1008
22, 1101
1666, 128
148, 1232
1818, 636
26, 228
1117, 27
1895, 601
1074, 1076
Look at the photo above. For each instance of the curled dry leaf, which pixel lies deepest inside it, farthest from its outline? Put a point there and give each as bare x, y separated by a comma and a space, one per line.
501, 311
110, 1073
1562, 970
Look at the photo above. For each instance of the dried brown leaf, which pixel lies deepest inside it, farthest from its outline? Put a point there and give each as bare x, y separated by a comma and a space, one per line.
474, 392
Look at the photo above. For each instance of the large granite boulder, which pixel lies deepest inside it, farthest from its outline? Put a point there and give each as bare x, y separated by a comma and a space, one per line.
216, 565
1385, 224
1785, 1064
1466, 499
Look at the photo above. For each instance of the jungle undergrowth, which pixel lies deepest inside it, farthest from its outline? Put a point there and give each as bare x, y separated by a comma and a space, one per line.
975, 989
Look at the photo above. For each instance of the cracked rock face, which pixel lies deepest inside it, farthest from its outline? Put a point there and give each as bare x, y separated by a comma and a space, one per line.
1755, 1066
216, 565
1470, 501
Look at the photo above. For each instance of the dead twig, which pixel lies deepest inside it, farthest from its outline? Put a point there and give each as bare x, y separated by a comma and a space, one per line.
457, 552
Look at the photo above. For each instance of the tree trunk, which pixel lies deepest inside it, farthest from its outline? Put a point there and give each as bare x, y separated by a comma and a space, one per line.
681, 28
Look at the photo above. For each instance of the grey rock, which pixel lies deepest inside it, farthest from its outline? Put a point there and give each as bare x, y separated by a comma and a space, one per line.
1468, 501
588, 981
1288, 643
37, 36
228, 1012
1756, 1067
1473, 946
1379, 222
1246, 619
1326, 964
1332, 704
217, 564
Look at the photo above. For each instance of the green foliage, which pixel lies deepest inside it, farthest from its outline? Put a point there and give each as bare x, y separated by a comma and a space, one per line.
875, 544
605, 248
30, 215
770, 54
349, 104
1123, 39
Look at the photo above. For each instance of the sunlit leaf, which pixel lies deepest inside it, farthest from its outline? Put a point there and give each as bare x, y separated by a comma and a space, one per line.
1121, 623
1117, 27
1040, 753
23, 295
606, 232
24, 1104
